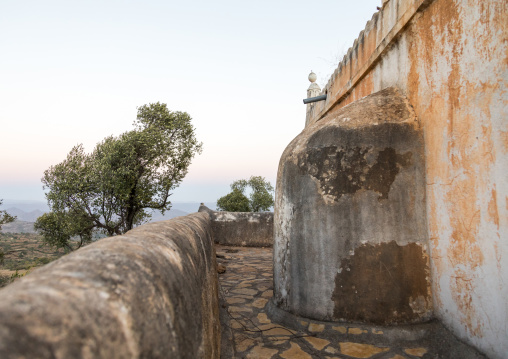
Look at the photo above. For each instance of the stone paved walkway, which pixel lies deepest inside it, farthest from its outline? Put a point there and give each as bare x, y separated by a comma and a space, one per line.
246, 288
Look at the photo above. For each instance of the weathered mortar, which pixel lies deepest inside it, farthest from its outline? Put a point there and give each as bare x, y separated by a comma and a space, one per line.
246, 229
449, 58
151, 293
350, 236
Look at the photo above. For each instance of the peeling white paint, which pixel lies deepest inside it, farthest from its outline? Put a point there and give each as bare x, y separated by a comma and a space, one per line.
226, 217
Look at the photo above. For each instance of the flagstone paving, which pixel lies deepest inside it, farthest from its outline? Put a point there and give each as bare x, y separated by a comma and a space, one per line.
246, 288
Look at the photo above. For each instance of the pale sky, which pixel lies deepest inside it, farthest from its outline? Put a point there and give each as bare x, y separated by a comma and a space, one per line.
74, 72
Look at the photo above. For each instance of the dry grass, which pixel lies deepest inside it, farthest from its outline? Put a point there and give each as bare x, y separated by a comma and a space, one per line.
22, 253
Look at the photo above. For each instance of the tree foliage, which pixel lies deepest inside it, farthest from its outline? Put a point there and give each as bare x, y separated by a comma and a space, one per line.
260, 197
5, 217
58, 229
235, 201
110, 189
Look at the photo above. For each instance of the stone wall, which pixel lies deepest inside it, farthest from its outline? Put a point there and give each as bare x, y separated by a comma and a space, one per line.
151, 293
449, 58
246, 229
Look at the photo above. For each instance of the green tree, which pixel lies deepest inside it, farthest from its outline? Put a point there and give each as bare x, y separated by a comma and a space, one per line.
235, 201
110, 190
260, 197
5, 217
58, 229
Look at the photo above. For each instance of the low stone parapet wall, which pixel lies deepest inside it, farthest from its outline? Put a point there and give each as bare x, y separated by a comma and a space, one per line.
151, 293
245, 229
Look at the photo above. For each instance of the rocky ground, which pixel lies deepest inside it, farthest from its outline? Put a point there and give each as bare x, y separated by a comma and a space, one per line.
253, 328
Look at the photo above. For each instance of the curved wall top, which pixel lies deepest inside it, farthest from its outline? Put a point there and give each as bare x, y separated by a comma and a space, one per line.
150, 293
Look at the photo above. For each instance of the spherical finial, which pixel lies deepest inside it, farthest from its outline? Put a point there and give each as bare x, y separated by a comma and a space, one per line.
312, 76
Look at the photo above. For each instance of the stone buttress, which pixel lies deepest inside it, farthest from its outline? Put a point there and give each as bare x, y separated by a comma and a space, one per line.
350, 219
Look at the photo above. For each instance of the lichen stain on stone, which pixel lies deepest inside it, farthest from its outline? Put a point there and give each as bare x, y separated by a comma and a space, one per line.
346, 170
383, 284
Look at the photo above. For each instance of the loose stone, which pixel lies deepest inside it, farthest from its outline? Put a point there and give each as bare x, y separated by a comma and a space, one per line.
316, 328
278, 331
221, 268
342, 330
263, 319
295, 352
267, 294
417, 352
357, 350
317, 343
260, 303
240, 309
260, 352
234, 300
243, 285
331, 350
236, 325
356, 331
244, 345
280, 340
245, 291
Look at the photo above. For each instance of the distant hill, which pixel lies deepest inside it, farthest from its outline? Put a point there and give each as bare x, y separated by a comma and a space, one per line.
157, 216
191, 207
27, 212
21, 215
26, 206
18, 227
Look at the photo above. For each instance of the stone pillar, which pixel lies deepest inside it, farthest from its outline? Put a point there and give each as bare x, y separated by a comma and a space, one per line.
312, 91
350, 218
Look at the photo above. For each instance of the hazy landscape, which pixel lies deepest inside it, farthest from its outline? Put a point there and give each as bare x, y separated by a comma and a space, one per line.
23, 253
28, 211
22, 248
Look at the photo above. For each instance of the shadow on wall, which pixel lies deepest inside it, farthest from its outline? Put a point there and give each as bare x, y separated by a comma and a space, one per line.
246, 229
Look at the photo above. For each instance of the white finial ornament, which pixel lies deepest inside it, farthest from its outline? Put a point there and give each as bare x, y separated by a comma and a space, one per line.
312, 91
312, 77
314, 88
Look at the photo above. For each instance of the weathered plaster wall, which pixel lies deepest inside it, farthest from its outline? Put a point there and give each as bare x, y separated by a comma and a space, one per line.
449, 57
151, 293
350, 233
246, 229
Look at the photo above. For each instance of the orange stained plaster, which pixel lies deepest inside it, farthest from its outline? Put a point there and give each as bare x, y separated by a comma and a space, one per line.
462, 287
364, 87
493, 212
459, 151
504, 140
